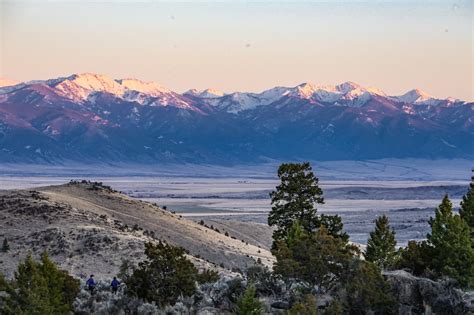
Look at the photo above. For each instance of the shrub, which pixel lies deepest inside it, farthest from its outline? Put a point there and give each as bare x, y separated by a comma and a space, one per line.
207, 276
416, 257
264, 281
248, 303
334, 308
367, 290
317, 258
307, 306
39, 288
165, 275
5, 245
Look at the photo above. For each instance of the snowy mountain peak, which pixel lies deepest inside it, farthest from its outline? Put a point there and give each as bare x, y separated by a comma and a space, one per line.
417, 96
96, 82
306, 90
346, 87
207, 93
78, 87
149, 88
87, 87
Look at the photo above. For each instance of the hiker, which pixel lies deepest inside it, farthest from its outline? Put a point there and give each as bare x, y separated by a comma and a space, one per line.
91, 284
115, 285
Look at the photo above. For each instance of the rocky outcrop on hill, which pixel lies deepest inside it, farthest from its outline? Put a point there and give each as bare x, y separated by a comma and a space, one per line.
424, 296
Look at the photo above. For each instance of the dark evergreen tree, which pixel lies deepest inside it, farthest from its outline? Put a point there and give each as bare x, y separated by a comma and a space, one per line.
366, 290
334, 308
334, 225
248, 303
416, 257
307, 306
294, 199
40, 288
467, 208
381, 244
451, 245
165, 275
5, 245
316, 257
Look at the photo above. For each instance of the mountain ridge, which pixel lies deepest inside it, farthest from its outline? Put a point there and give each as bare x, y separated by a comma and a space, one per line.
102, 83
93, 117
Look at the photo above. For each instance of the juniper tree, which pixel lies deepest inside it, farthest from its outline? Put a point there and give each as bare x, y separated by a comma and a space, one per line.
317, 258
467, 208
307, 306
366, 290
39, 288
381, 244
5, 245
416, 257
165, 275
248, 303
451, 245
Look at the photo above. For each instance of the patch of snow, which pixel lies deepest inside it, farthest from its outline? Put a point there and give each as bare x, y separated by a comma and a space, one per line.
417, 96
79, 86
347, 87
408, 109
207, 93
448, 144
148, 88
347, 93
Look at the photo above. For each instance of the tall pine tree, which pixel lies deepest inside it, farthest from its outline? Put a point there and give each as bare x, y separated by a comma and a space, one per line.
294, 199
381, 244
467, 208
451, 245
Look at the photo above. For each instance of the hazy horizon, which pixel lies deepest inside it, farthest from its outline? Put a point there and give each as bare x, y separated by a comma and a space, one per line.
245, 46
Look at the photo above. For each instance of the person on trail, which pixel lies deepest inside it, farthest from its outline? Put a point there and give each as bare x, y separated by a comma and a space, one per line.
115, 285
91, 284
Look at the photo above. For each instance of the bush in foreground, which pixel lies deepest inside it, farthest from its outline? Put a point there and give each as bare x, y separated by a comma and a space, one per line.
317, 258
367, 290
165, 275
39, 288
248, 303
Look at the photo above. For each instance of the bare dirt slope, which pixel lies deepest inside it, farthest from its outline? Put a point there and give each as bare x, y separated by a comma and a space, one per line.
89, 228
253, 233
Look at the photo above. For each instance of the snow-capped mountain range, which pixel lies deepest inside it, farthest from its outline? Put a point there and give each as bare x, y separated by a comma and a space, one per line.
82, 87
94, 116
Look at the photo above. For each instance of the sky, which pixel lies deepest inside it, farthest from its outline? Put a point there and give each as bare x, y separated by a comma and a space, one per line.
245, 45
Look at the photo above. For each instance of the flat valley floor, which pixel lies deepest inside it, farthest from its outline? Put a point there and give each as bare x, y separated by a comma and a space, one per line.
406, 190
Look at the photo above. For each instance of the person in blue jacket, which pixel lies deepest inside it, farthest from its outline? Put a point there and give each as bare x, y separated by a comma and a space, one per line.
91, 284
115, 285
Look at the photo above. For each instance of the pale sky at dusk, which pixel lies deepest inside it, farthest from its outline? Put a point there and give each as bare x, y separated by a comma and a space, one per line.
245, 45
